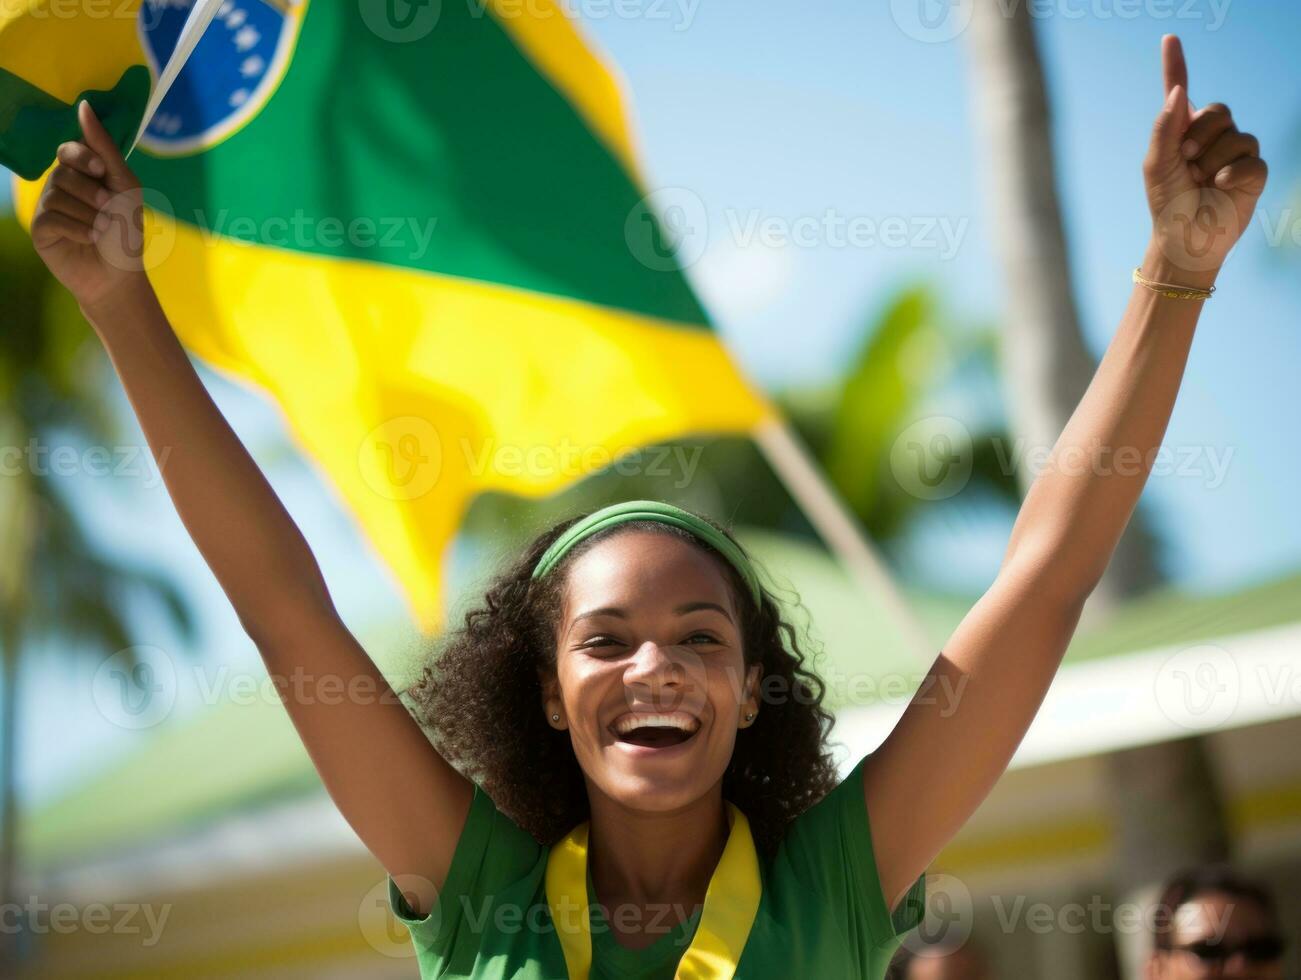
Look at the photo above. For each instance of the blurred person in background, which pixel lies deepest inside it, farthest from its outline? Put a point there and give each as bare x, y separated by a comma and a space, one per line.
1212, 921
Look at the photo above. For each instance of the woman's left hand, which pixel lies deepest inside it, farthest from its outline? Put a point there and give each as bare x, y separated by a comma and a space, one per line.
1203, 175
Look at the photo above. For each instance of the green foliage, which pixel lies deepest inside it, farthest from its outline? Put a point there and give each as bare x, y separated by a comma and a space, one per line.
911, 352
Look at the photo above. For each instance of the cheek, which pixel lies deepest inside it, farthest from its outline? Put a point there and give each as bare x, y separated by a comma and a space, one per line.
722, 688
727, 684
583, 685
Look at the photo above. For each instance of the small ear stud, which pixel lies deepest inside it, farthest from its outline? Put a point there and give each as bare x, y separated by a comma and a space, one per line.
749, 715
555, 717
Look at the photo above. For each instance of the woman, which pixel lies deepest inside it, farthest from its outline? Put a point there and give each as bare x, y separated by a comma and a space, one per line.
611, 693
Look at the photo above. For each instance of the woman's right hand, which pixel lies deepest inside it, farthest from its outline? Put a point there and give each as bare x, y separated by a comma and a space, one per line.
89, 222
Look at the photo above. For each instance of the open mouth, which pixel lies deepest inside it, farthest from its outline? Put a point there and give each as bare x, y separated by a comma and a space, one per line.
656, 737
655, 731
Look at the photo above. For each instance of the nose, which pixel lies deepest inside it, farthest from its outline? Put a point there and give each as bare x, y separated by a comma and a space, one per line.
654, 663
658, 674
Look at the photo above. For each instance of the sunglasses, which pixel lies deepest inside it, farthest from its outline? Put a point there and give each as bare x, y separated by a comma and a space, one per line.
1257, 949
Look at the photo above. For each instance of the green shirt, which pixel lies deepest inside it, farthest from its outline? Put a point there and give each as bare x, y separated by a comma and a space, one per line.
822, 912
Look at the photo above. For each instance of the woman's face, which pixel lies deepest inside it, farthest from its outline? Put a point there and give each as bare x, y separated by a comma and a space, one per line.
650, 681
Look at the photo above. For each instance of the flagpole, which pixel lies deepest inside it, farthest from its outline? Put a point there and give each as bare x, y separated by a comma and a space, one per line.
838, 527
201, 15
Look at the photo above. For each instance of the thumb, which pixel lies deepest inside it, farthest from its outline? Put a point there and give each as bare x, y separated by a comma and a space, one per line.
1168, 133
118, 175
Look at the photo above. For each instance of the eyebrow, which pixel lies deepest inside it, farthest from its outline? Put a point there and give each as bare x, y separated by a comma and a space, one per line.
620, 613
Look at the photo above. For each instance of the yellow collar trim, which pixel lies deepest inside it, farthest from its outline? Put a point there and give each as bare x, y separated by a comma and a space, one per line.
731, 903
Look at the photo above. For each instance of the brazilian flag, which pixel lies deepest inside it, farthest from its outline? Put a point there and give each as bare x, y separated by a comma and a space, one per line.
417, 224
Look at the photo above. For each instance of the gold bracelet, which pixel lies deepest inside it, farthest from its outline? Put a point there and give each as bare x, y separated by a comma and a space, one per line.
1171, 289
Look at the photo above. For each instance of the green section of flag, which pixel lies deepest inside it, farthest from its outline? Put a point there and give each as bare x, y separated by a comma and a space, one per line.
450, 155
33, 123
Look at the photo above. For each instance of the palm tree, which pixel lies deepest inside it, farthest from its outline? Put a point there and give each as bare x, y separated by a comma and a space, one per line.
1166, 809
912, 350
55, 587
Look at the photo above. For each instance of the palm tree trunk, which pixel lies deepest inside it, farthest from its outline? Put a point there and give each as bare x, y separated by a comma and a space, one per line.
1045, 360
1047, 368
16, 533
8, 789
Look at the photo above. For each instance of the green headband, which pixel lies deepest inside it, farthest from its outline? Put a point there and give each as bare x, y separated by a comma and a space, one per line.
650, 510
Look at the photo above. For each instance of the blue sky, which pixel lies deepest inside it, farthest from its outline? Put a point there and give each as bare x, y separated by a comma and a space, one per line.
752, 112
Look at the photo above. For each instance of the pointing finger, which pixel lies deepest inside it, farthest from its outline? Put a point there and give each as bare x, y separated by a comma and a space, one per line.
1174, 67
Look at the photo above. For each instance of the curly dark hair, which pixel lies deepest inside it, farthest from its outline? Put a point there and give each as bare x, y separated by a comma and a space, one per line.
488, 669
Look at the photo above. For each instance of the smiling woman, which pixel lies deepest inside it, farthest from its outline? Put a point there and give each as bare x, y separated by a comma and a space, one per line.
666, 763
640, 617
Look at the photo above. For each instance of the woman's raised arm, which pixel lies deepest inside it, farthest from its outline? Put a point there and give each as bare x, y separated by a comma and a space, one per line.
940, 761
403, 799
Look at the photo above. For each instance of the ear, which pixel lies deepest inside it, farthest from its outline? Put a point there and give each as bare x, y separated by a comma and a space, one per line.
552, 703
750, 704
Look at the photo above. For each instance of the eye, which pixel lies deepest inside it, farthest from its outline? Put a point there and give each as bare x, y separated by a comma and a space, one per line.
707, 637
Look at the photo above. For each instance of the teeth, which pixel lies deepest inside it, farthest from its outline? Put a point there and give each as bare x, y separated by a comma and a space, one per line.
678, 719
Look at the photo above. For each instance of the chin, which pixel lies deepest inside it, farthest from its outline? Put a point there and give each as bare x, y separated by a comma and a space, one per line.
655, 795
657, 780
